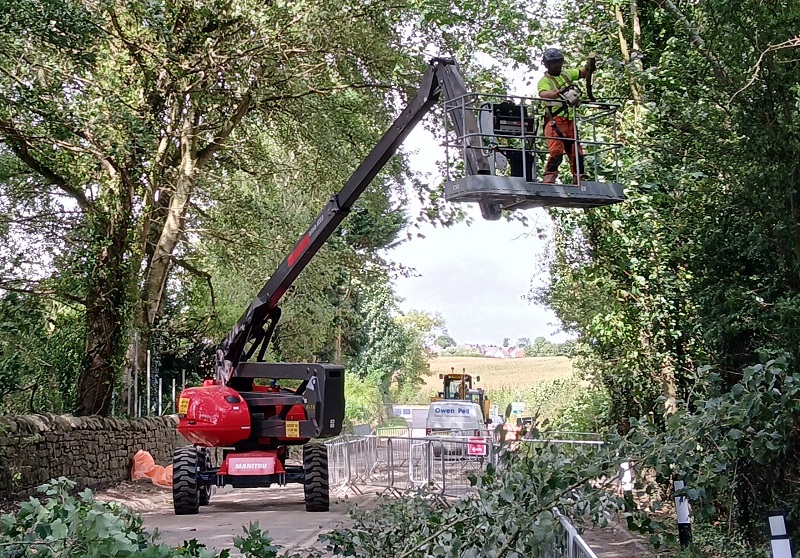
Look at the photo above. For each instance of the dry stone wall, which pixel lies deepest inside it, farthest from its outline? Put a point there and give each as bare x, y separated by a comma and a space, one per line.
93, 451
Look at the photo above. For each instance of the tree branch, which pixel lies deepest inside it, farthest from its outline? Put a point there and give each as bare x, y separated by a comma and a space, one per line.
317, 91
791, 43
39, 292
228, 126
21, 148
200, 273
696, 40
31, 406
131, 46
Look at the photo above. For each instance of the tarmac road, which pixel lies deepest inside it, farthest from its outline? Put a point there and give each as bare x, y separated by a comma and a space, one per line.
279, 510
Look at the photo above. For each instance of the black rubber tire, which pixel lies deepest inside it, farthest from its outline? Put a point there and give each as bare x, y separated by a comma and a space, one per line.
315, 487
185, 492
204, 459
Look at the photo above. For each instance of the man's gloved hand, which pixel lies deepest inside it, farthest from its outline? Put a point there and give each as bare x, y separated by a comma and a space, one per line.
570, 95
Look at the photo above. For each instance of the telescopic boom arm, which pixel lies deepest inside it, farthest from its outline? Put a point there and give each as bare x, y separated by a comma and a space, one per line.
258, 323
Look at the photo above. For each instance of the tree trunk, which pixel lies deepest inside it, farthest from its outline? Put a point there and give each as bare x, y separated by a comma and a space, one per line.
96, 382
163, 229
172, 230
161, 234
634, 57
105, 317
669, 388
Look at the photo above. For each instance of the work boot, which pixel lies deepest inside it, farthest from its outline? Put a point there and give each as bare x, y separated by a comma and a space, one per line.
550, 178
575, 179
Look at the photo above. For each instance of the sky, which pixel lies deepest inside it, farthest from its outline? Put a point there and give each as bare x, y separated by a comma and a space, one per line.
475, 275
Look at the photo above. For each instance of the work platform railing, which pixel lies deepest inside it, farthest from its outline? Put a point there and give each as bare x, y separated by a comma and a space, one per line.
439, 467
504, 160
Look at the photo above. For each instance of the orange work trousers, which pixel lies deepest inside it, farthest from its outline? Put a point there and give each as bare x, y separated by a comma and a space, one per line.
560, 143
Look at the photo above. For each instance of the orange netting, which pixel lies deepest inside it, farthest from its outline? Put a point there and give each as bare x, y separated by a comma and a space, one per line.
144, 467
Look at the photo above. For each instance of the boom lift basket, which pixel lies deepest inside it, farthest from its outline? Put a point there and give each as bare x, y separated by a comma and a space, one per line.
511, 136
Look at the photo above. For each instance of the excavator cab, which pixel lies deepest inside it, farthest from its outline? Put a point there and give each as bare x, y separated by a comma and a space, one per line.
511, 140
458, 387
455, 385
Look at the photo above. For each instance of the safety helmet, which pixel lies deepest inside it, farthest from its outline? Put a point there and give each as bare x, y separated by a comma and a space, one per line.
552, 55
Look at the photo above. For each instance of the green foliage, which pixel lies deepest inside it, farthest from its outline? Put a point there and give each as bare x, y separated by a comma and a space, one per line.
364, 402
543, 347
386, 345
700, 265
138, 172
445, 341
715, 541
41, 354
385, 348
78, 526
589, 410
727, 444
455, 351
547, 402
256, 543
393, 353
59, 524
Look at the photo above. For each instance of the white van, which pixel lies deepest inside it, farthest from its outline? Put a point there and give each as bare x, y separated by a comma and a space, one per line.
457, 418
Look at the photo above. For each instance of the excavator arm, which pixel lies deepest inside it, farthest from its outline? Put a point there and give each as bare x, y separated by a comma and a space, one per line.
252, 333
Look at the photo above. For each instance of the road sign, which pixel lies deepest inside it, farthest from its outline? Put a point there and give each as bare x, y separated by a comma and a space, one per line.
476, 446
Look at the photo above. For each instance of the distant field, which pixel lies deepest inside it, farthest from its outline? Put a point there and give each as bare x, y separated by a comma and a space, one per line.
496, 373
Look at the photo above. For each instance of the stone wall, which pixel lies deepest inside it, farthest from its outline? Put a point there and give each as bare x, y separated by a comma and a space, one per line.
93, 451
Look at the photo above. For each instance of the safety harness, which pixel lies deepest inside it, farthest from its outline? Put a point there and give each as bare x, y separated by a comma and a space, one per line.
549, 112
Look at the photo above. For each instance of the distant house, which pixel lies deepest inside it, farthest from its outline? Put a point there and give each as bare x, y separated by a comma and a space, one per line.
493, 351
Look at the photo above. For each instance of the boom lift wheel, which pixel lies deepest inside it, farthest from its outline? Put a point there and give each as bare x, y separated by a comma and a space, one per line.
315, 487
185, 489
204, 460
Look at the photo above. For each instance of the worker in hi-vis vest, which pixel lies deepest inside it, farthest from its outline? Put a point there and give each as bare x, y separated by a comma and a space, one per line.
559, 120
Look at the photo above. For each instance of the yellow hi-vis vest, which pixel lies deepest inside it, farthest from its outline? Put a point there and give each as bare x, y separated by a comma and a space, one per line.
555, 83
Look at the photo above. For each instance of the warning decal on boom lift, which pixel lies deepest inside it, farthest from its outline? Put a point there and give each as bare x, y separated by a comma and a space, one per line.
292, 429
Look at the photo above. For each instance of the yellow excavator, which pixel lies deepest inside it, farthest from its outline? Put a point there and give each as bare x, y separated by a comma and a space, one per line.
458, 387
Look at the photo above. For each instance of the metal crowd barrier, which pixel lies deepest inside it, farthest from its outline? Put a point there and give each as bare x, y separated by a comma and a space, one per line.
438, 465
351, 462
571, 544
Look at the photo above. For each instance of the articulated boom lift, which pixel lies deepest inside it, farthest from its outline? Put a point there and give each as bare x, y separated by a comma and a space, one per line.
254, 424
